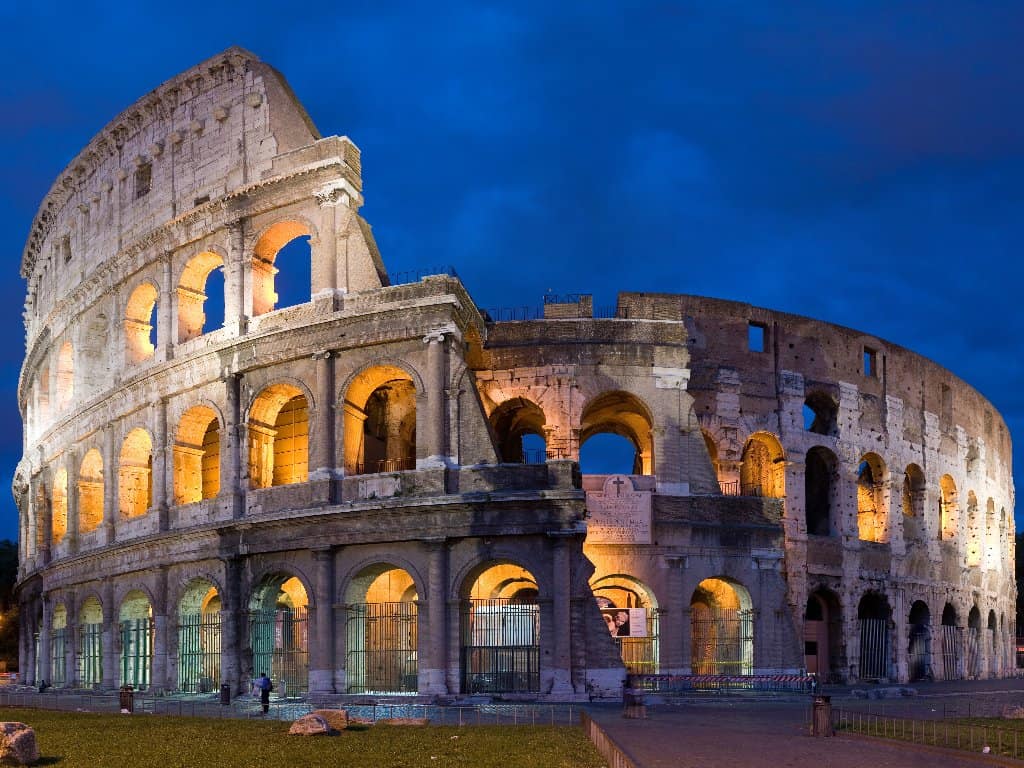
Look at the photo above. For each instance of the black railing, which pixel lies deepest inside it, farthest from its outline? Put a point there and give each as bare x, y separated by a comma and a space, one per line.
402, 464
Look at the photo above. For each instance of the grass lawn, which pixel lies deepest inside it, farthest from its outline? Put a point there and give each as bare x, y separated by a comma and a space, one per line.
1002, 737
80, 740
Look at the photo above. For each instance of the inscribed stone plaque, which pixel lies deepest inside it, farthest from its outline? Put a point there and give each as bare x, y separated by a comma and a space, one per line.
618, 514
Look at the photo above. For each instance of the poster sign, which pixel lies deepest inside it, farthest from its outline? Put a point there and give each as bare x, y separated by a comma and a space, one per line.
625, 622
618, 514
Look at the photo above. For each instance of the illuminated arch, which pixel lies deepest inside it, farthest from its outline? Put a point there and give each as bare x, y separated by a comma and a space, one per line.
192, 294
199, 637
721, 628
278, 631
512, 421
949, 509
269, 244
59, 505
65, 375
197, 456
763, 468
90, 643
135, 474
279, 437
624, 414
872, 499
380, 421
618, 597
139, 320
975, 532
136, 624
90, 492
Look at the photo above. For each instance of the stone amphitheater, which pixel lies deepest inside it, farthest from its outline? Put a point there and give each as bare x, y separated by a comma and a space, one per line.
377, 490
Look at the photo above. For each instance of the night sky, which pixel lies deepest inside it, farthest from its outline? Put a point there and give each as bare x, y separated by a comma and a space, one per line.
861, 165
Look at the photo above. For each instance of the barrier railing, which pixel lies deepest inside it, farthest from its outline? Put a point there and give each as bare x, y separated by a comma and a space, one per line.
607, 748
678, 684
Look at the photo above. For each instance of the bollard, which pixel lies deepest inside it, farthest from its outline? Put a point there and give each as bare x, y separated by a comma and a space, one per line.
127, 697
821, 717
225, 694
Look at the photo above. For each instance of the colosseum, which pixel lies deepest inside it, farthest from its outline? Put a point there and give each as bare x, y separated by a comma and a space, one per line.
377, 490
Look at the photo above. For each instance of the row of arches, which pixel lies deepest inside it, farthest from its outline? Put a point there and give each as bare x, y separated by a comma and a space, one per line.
762, 472
946, 650
199, 300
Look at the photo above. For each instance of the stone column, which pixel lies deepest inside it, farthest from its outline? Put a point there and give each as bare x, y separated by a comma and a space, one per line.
674, 640
561, 626
71, 642
231, 452
160, 466
433, 670
230, 618
72, 500
321, 449
44, 666
111, 639
237, 282
164, 335
111, 481
321, 657
158, 679
42, 506
435, 430
325, 247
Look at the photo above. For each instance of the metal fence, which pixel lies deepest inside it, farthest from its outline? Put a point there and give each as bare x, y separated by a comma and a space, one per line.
90, 658
279, 641
952, 642
382, 648
198, 652
723, 642
500, 650
58, 657
874, 649
136, 652
920, 654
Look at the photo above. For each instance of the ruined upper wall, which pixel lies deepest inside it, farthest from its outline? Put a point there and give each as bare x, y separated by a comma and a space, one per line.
212, 129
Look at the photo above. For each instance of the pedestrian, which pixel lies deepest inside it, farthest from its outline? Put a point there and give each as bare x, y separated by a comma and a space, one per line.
263, 685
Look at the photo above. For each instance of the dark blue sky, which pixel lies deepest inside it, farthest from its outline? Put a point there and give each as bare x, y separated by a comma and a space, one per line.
854, 163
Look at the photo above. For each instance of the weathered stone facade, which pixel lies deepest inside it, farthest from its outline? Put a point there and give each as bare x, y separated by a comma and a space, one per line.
337, 490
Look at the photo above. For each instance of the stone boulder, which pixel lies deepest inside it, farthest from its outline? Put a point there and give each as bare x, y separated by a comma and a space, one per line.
17, 744
1013, 712
336, 718
310, 725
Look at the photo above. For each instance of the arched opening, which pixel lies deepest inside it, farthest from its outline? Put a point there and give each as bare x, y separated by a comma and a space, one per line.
135, 474
380, 422
281, 267
279, 437
949, 509
993, 646
199, 638
712, 449
820, 411
197, 456
872, 499
919, 651
619, 413
952, 642
990, 535
203, 272
136, 624
823, 633
974, 531
90, 643
913, 504
974, 643
140, 323
65, 375
630, 611
763, 467
59, 508
278, 633
58, 647
873, 615
514, 422
819, 488
382, 648
90, 492
43, 397
500, 648
721, 629
609, 454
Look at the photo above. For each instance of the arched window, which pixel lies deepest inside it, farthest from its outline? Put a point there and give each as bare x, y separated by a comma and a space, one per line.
949, 509
514, 421
90, 492
279, 437
913, 503
819, 489
135, 474
193, 291
872, 499
820, 410
60, 505
65, 375
197, 456
622, 414
295, 259
140, 323
975, 533
380, 422
763, 468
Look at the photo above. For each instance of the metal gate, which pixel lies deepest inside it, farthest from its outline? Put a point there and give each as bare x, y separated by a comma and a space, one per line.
90, 659
136, 652
952, 669
381, 655
993, 658
58, 659
920, 655
198, 652
973, 652
279, 643
722, 642
874, 649
500, 647
640, 654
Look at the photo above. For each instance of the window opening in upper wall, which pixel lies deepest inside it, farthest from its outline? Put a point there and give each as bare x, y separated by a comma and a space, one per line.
757, 334
143, 180
870, 362
65, 248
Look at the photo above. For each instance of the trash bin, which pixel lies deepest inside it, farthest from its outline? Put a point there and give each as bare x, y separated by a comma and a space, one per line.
225, 694
127, 698
821, 716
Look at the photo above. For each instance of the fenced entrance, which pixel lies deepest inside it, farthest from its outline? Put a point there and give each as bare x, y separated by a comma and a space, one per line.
500, 646
952, 642
640, 654
723, 642
920, 654
973, 652
382, 645
198, 652
136, 652
874, 649
279, 641
58, 658
90, 659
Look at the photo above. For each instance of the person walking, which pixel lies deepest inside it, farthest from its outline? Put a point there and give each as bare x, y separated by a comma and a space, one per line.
263, 685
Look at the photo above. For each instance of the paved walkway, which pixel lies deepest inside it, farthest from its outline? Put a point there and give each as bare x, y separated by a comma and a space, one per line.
742, 734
